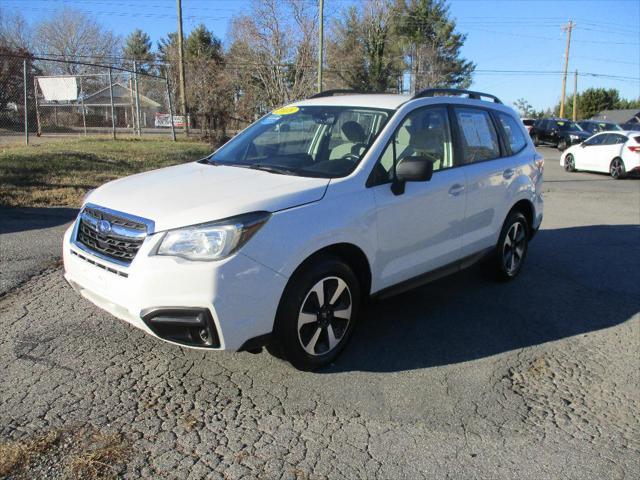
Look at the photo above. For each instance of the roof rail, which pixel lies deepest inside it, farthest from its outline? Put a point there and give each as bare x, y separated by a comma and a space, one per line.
432, 92
338, 91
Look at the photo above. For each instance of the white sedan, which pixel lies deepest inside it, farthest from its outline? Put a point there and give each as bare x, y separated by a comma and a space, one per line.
615, 153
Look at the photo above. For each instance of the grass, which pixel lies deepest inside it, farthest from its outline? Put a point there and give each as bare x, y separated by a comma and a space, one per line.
60, 173
15, 456
78, 454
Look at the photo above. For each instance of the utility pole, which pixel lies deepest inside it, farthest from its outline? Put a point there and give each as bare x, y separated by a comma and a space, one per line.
183, 94
575, 96
568, 29
320, 43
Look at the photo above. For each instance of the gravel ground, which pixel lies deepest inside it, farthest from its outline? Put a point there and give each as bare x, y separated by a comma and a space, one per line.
460, 379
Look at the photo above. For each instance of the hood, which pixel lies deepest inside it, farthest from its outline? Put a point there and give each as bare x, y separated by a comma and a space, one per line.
195, 193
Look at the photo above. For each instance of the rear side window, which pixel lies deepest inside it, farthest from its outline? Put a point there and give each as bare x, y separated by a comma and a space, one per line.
515, 137
479, 137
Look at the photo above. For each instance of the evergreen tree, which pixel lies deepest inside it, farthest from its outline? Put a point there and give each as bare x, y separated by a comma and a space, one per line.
201, 43
138, 47
432, 44
363, 52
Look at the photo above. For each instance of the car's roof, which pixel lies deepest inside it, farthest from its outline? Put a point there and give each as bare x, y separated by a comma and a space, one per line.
627, 133
375, 100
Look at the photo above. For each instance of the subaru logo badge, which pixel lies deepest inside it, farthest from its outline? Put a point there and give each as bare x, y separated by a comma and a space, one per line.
104, 227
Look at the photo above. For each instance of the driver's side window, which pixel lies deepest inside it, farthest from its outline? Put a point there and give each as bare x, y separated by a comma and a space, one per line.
595, 140
423, 132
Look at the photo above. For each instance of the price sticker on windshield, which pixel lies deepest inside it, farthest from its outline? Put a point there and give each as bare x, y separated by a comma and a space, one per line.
285, 111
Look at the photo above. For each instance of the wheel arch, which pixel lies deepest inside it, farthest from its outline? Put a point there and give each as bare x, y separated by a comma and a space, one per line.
528, 210
350, 254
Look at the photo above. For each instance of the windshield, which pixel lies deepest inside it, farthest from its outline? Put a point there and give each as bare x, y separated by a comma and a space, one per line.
316, 141
569, 127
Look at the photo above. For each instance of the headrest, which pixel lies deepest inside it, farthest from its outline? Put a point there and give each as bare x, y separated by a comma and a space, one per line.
353, 131
425, 139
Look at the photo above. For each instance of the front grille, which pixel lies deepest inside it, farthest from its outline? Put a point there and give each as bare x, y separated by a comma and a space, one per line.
121, 240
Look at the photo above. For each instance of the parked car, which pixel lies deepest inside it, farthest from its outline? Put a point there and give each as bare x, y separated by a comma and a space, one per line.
558, 132
631, 126
596, 126
528, 123
277, 237
615, 153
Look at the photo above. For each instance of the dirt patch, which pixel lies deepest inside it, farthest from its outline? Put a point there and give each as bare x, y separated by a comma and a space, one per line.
82, 453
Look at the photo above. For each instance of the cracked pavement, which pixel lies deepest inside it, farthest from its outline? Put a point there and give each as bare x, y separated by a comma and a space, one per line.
462, 378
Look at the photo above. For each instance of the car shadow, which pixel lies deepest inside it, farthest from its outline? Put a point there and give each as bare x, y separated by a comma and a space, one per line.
576, 280
21, 219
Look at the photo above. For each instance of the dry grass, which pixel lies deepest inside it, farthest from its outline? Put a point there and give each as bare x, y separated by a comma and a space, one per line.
83, 453
100, 459
60, 173
15, 456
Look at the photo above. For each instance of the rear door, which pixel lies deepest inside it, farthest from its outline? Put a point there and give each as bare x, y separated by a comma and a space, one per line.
610, 149
488, 172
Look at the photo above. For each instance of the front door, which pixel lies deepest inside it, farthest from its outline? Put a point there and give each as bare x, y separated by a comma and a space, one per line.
419, 230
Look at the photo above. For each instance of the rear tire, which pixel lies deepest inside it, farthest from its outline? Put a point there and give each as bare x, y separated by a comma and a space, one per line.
562, 144
511, 250
317, 313
616, 169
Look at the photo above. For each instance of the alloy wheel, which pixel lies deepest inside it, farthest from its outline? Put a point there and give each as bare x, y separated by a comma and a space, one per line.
569, 163
617, 168
324, 317
513, 248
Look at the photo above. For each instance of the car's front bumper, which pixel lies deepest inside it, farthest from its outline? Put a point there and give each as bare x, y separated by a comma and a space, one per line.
241, 295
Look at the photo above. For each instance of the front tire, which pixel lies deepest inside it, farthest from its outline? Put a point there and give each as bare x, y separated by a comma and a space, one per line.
317, 314
569, 163
616, 169
511, 249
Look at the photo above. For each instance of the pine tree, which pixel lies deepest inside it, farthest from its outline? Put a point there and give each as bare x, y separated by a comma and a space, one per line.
138, 47
432, 44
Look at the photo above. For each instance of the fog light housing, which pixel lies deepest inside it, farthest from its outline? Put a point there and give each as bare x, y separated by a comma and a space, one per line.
193, 327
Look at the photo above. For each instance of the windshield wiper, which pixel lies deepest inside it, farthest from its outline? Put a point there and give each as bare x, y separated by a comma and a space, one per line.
273, 169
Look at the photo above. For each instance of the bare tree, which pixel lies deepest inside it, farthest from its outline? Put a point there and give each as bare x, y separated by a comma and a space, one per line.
71, 35
273, 51
15, 33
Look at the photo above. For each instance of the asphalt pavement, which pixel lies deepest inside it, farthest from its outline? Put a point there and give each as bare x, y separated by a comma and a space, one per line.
463, 378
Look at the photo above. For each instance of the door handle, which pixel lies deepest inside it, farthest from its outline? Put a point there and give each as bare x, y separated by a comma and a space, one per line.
456, 189
508, 173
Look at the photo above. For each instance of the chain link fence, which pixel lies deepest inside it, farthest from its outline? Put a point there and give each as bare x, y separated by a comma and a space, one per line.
39, 98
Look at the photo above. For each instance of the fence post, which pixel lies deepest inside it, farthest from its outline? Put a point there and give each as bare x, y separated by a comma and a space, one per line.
113, 120
84, 119
135, 81
26, 103
35, 98
173, 128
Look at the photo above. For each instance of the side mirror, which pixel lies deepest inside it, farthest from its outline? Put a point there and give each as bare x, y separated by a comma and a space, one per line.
411, 169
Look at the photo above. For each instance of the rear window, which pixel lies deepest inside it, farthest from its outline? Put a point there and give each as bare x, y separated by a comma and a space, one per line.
528, 122
480, 140
515, 137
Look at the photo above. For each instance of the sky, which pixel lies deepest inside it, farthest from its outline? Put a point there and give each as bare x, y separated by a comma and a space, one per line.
523, 37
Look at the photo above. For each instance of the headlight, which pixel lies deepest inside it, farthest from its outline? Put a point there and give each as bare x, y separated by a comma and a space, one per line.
212, 241
574, 137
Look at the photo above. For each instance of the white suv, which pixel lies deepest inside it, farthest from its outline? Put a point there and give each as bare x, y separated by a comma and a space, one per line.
278, 237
